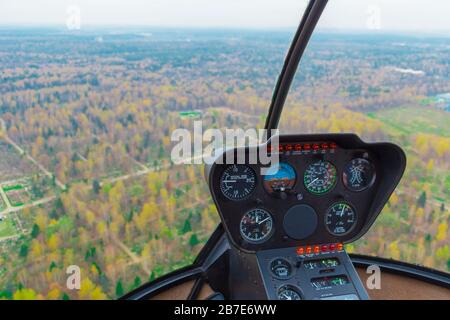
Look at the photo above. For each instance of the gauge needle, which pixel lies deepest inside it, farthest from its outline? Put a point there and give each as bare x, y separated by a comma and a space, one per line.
229, 181
313, 181
263, 221
287, 297
342, 212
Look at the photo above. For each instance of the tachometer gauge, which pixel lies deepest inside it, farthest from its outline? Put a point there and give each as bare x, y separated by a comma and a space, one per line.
279, 178
340, 219
320, 177
237, 182
289, 293
358, 175
256, 226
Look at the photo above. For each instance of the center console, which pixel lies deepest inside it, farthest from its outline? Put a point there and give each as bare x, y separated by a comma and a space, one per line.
320, 272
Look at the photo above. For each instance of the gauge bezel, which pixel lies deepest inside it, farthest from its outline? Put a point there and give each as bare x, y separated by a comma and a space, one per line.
289, 287
292, 273
330, 188
244, 197
266, 237
354, 222
370, 184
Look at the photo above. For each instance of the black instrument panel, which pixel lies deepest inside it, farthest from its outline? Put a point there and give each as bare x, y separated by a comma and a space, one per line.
324, 189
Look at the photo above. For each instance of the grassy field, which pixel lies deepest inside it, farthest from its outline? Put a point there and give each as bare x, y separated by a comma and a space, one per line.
13, 187
402, 124
411, 120
7, 228
2, 204
18, 197
415, 230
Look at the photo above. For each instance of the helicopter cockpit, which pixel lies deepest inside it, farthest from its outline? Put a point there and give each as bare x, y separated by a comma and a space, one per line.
224, 150
284, 225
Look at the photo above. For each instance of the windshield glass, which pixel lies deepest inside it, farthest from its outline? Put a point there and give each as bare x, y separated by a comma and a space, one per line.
381, 69
90, 94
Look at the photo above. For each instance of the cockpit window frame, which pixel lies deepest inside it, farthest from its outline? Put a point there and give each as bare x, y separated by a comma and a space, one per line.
299, 43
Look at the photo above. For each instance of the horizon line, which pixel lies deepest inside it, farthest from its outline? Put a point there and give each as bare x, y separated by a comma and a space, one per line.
90, 27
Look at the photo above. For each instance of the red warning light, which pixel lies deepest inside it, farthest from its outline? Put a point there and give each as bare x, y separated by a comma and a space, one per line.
332, 247
340, 246
300, 250
333, 145
307, 146
298, 147
288, 147
324, 146
315, 146
316, 249
280, 148
308, 250
324, 248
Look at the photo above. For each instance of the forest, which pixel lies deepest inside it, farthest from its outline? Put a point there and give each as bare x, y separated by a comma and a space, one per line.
85, 123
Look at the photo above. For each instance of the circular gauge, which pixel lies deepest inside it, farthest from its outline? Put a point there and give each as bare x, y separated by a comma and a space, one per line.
320, 177
289, 293
340, 219
281, 268
237, 182
256, 225
359, 174
279, 178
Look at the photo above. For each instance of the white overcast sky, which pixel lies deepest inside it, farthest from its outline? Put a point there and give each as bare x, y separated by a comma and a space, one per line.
423, 15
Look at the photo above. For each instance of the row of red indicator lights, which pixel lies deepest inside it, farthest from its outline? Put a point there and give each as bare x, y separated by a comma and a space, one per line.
318, 249
306, 146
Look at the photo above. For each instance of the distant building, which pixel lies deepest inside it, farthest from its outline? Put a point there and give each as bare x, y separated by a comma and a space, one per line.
443, 101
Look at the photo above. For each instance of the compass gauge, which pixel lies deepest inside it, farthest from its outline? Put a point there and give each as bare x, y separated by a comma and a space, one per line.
359, 174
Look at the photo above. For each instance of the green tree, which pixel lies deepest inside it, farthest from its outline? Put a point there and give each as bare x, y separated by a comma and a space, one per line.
422, 199
119, 288
137, 281
186, 227
6, 294
96, 186
52, 266
193, 241
35, 231
23, 252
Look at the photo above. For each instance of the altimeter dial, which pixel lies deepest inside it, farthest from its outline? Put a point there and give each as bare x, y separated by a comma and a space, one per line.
237, 182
